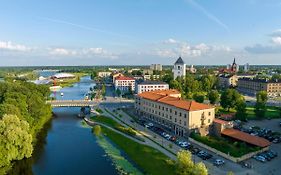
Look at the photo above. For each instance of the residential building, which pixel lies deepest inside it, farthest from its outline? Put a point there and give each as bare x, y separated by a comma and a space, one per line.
124, 84
116, 75
251, 86
227, 80
147, 86
192, 69
157, 67
147, 72
179, 69
104, 74
151, 77
166, 108
246, 67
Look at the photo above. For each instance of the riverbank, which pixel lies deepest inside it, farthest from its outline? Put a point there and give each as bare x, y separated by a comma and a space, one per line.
151, 160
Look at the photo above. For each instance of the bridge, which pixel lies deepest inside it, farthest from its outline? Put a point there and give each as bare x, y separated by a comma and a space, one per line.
86, 103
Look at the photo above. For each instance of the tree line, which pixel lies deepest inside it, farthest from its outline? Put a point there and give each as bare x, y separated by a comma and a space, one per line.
23, 113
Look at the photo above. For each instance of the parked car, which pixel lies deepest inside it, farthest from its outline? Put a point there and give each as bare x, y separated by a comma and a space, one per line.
150, 124
195, 150
246, 165
260, 158
184, 144
218, 162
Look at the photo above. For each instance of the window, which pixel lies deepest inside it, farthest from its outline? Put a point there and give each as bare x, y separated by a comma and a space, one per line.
176, 120
171, 111
180, 121
184, 115
209, 120
184, 123
209, 113
180, 114
175, 112
170, 117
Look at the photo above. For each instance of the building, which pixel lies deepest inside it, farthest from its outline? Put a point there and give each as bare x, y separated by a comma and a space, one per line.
124, 84
157, 67
251, 86
166, 108
151, 77
192, 69
104, 74
231, 69
246, 67
147, 86
179, 69
116, 75
226, 80
63, 76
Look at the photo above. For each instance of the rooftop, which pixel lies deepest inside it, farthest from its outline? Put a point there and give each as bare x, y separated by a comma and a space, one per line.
151, 82
63, 75
259, 80
216, 120
124, 78
245, 137
169, 97
179, 61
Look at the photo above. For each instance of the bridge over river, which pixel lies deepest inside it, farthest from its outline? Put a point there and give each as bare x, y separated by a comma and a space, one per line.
87, 103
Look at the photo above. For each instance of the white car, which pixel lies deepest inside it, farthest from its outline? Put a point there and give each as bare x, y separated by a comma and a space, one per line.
150, 124
218, 162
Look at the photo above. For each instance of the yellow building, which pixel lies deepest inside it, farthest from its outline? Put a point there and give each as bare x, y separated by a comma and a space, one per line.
166, 108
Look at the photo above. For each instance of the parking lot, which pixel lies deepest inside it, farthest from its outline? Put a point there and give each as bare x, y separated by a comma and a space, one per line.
249, 167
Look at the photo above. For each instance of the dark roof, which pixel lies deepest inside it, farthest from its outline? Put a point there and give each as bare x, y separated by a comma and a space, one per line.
152, 82
245, 137
259, 80
226, 75
179, 61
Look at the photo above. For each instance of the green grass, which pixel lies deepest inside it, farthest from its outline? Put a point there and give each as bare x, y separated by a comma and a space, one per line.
271, 112
235, 149
150, 160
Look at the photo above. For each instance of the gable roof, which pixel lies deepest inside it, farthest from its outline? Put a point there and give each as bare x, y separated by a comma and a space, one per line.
166, 97
179, 61
245, 137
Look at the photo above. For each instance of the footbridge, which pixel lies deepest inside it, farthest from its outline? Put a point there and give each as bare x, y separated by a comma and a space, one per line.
86, 103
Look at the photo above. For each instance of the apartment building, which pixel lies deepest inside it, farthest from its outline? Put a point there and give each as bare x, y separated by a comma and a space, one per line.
104, 74
226, 81
251, 86
147, 86
157, 67
125, 84
166, 108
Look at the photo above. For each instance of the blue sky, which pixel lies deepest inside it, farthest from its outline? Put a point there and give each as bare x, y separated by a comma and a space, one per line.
98, 32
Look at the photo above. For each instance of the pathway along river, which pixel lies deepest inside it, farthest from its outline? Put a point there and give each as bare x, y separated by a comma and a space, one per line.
64, 146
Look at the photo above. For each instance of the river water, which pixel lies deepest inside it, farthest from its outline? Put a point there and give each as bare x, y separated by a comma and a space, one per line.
66, 147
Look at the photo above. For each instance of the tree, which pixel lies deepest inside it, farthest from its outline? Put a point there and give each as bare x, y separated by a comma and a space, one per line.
241, 110
118, 92
260, 106
230, 98
15, 140
199, 97
97, 130
185, 165
213, 96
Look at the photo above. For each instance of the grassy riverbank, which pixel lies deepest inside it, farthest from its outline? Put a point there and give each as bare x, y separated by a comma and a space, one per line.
149, 159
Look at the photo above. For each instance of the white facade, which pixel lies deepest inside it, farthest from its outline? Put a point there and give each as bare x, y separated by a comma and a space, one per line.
124, 84
179, 69
150, 86
246, 67
156, 67
104, 74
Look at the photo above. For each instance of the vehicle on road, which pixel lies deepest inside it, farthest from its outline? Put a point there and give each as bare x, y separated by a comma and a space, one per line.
260, 158
218, 162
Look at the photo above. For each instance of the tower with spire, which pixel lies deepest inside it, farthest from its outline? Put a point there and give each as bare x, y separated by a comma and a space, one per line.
234, 67
179, 69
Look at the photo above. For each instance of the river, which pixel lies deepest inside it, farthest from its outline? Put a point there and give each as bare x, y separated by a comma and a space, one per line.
65, 146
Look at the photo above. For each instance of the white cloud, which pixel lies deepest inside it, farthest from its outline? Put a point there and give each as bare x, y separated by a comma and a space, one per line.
62, 52
170, 41
187, 50
8, 45
276, 40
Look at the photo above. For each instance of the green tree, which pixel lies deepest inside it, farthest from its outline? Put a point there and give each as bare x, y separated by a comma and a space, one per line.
241, 110
213, 96
15, 140
260, 106
118, 92
230, 98
199, 97
97, 130
185, 165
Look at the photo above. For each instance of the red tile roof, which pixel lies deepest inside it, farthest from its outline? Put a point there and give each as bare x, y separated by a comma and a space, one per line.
216, 120
166, 97
124, 78
245, 137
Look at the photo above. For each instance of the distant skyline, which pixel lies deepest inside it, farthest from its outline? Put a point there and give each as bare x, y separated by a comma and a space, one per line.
132, 32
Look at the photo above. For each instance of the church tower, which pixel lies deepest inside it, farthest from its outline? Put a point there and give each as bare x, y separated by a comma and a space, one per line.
179, 69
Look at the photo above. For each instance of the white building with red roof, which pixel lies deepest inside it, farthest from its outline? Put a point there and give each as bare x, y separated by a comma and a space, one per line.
124, 84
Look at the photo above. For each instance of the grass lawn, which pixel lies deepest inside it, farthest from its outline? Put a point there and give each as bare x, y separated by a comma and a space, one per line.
150, 160
271, 112
235, 149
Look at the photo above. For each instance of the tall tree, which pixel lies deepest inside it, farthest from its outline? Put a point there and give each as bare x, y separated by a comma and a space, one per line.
199, 97
241, 110
260, 106
213, 96
230, 98
15, 140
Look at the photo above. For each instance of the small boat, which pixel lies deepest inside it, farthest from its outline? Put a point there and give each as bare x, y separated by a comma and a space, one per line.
61, 94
